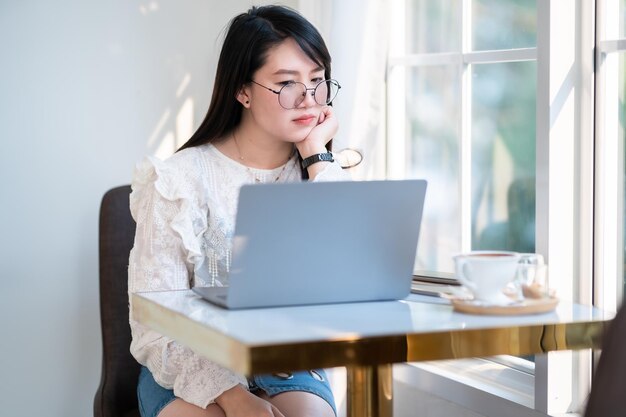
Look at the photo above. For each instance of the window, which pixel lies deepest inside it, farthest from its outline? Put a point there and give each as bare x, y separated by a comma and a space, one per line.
502, 106
496, 111
462, 104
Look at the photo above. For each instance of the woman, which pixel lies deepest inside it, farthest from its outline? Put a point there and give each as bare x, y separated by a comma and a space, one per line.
268, 121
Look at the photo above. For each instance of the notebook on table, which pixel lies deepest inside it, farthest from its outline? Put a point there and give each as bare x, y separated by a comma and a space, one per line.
318, 243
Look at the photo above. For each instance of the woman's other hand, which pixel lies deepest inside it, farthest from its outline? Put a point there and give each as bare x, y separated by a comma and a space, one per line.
238, 402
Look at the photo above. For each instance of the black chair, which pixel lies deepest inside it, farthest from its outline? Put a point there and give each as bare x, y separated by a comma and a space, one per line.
117, 393
608, 391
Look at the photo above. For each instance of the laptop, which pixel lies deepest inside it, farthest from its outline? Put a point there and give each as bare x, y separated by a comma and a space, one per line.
322, 242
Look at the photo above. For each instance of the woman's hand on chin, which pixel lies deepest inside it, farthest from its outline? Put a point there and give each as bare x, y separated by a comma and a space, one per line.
320, 135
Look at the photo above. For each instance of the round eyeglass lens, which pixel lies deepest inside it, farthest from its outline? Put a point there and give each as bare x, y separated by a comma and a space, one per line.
293, 94
326, 91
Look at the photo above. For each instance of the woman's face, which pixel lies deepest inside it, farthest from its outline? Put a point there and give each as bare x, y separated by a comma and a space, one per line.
285, 63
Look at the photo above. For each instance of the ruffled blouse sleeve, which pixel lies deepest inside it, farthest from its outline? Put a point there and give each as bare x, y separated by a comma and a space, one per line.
332, 172
167, 246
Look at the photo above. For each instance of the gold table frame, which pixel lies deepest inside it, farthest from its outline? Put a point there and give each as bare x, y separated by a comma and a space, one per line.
368, 359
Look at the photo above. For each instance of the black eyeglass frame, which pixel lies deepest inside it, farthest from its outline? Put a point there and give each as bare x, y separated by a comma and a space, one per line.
313, 89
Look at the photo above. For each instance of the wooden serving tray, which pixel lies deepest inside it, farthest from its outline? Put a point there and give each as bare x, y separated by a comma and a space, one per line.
526, 306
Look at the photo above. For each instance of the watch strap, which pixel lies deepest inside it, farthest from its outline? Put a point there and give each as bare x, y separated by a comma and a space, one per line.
318, 157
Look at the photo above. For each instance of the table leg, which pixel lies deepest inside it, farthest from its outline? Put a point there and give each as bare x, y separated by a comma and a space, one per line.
369, 391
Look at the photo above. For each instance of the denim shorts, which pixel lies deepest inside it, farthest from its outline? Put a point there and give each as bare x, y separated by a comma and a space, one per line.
153, 398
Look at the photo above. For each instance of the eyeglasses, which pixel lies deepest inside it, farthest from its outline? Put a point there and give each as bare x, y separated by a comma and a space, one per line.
292, 94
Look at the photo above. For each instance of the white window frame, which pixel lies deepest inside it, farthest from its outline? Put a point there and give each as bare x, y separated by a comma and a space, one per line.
565, 173
399, 61
609, 257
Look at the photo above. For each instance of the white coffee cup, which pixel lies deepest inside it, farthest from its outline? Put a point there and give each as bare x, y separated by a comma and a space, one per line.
486, 273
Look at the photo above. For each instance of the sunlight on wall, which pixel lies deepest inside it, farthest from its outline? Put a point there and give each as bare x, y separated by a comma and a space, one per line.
183, 85
168, 135
166, 147
184, 122
149, 7
158, 127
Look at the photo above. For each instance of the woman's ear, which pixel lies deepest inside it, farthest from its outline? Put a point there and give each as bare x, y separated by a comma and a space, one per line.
244, 97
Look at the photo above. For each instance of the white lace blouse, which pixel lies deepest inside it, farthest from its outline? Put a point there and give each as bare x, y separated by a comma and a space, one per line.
185, 212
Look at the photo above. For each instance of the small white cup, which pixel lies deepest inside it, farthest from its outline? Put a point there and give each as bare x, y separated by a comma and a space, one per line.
486, 273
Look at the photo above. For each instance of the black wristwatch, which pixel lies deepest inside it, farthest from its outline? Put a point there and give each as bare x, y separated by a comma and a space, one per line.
318, 157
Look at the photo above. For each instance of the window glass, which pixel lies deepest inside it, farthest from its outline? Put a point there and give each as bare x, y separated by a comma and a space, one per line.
433, 128
503, 156
504, 24
434, 26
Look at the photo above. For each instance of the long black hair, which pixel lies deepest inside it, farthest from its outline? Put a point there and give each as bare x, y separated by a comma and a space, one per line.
250, 36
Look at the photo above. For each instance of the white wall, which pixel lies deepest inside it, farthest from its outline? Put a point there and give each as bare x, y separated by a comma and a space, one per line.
86, 89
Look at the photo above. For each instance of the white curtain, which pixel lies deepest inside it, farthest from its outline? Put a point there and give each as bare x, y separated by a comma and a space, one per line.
356, 32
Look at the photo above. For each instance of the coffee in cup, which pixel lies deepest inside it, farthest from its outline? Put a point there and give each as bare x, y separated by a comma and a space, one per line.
486, 273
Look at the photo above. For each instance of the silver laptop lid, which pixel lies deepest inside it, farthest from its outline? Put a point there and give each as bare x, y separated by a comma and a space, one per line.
327, 242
